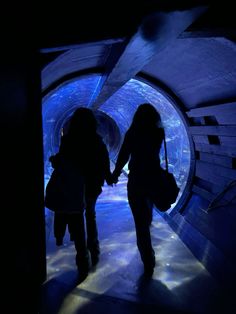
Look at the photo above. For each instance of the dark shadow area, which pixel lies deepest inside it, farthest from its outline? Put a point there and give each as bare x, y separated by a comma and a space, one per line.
152, 297
55, 290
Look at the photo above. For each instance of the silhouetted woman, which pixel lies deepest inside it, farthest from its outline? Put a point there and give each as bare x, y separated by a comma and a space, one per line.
141, 147
83, 148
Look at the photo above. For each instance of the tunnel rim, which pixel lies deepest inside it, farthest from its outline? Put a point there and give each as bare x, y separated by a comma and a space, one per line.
174, 101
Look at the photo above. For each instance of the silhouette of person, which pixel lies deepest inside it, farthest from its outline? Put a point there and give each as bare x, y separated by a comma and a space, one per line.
141, 148
84, 148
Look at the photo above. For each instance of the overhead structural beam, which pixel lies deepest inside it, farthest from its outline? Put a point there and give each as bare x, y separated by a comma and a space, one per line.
209, 33
155, 33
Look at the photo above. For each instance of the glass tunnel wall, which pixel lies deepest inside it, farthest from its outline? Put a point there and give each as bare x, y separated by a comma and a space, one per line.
114, 117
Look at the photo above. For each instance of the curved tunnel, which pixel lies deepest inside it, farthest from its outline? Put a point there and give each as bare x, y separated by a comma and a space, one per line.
114, 117
189, 75
180, 56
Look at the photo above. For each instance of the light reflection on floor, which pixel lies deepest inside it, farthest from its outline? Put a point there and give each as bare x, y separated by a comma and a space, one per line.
180, 284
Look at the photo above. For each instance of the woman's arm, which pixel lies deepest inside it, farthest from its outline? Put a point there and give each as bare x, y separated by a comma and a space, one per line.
108, 175
123, 158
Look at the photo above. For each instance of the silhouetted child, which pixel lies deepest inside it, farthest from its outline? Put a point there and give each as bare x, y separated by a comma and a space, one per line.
84, 150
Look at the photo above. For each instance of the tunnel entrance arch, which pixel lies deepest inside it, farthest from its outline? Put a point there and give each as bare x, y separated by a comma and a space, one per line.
115, 116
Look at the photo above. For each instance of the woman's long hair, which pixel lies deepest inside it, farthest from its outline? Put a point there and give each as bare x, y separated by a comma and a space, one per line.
146, 117
82, 123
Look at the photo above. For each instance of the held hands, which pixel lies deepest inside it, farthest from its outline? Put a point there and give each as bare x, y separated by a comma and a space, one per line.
109, 180
113, 179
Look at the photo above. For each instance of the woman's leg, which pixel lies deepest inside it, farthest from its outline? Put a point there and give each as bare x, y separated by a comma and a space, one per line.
141, 211
60, 222
91, 225
77, 227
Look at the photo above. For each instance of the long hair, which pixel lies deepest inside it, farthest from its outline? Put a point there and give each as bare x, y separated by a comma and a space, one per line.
145, 117
82, 122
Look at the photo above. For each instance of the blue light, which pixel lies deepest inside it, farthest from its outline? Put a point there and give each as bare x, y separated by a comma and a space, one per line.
114, 117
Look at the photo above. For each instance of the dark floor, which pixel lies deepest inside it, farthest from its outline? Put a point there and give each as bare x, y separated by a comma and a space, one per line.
180, 283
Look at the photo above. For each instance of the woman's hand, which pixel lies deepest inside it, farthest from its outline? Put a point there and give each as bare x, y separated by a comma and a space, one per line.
114, 178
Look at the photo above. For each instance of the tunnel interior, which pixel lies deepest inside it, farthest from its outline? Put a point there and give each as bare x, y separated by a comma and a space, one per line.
183, 61
114, 117
185, 48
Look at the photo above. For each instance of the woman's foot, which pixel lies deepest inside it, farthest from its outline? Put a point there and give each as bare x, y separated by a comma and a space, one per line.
82, 274
149, 265
94, 254
148, 270
94, 258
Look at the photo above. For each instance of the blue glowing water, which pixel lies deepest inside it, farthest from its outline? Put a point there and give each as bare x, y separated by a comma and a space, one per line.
61, 102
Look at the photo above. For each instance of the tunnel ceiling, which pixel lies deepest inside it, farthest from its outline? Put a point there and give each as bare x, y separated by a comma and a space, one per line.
190, 50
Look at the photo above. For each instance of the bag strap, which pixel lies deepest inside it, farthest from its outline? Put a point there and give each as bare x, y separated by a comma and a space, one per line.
166, 160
